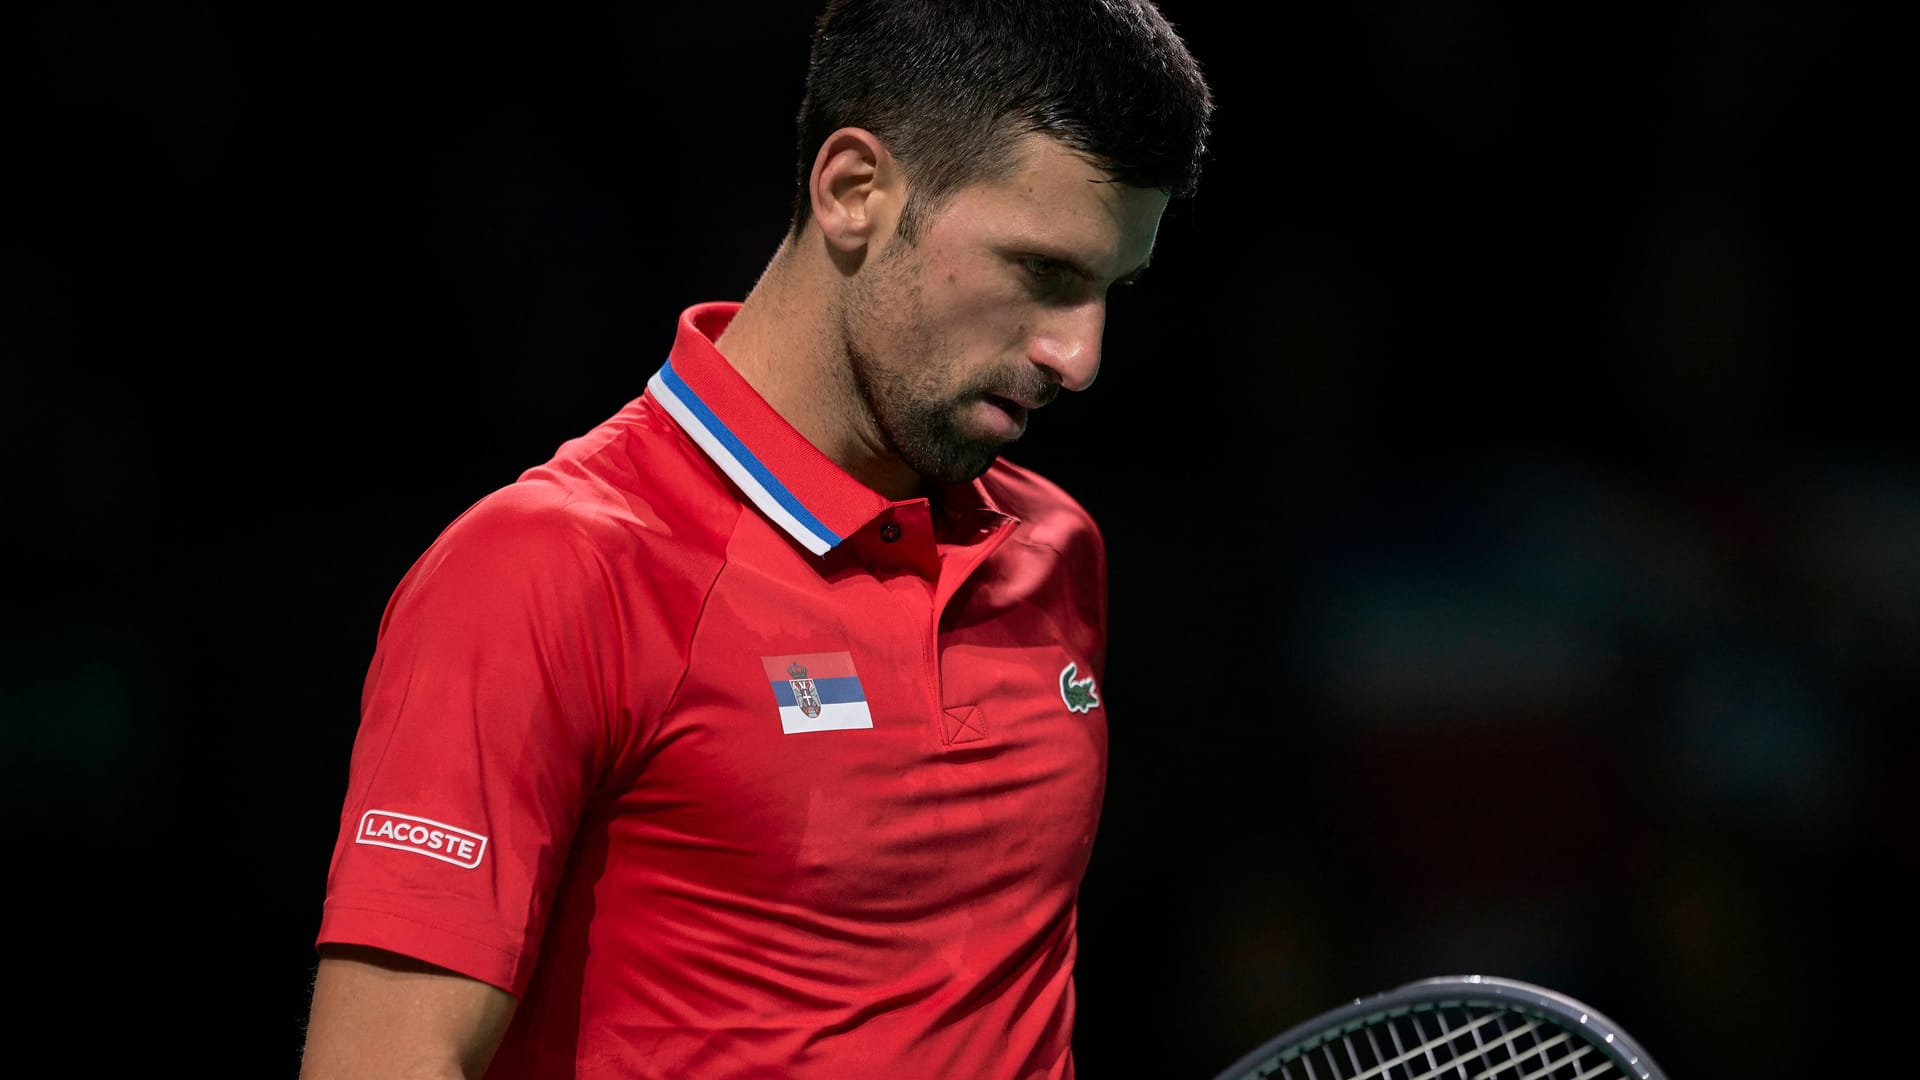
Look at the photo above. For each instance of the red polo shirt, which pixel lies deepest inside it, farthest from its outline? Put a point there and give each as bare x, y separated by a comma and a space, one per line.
728, 766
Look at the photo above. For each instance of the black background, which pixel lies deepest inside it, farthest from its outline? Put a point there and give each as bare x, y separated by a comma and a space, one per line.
1512, 505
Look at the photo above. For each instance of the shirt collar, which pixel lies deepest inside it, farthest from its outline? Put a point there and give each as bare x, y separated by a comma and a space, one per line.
796, 486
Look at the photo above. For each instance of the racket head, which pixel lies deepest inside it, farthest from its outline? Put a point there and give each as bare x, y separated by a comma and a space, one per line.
1452, 1026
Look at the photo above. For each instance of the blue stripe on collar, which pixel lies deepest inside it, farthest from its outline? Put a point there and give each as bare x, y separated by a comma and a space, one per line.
739, 463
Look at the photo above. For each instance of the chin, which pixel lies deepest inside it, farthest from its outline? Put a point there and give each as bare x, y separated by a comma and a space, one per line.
956, 467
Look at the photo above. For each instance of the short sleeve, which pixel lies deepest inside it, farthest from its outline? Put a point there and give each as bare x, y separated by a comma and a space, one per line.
487, 720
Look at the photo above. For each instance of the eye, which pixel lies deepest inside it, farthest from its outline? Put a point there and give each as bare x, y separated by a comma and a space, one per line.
1050, 280
1041, 269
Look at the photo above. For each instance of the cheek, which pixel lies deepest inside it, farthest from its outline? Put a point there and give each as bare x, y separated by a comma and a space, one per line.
881, 312
980, 312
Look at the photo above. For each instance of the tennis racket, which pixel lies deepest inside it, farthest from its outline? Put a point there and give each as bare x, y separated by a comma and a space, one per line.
1452, 1027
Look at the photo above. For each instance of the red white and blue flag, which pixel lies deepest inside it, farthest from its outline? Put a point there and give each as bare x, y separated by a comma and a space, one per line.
817, 692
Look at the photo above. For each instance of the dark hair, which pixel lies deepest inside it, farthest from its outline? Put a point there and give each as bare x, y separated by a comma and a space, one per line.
950, 86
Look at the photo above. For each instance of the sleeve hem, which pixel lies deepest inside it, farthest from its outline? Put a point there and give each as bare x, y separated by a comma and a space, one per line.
503, 967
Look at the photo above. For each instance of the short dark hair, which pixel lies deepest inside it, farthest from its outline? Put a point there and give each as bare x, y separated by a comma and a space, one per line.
950, 86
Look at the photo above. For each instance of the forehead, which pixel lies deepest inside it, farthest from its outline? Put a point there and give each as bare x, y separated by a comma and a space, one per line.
1053, 198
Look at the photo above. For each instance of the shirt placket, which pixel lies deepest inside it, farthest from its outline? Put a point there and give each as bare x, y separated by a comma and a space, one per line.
923, 575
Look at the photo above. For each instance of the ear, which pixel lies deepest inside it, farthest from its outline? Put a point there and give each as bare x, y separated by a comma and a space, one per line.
857, 190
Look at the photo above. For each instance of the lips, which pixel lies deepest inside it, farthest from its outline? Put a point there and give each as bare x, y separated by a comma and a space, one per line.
1007, 418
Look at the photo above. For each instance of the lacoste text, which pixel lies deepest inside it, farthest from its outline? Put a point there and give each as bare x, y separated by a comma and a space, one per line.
435, 840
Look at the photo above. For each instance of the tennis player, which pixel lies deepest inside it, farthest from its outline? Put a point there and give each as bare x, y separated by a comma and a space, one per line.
760, 731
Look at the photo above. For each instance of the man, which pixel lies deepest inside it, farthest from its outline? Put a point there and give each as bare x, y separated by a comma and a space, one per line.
759, 732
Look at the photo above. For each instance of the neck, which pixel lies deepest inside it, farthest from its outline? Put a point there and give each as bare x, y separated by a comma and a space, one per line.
785, 342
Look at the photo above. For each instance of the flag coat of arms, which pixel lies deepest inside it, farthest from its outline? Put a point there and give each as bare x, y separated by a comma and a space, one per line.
817, 692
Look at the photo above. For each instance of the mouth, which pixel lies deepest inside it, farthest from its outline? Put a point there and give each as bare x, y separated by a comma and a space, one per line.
1007, 416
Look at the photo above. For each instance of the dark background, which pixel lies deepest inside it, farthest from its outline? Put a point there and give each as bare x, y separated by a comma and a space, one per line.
1513, 507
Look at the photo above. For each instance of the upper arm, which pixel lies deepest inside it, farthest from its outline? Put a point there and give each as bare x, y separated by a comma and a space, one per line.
377, 1014
490, 713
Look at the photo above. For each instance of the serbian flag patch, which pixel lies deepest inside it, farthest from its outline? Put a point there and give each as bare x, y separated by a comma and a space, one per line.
817, 692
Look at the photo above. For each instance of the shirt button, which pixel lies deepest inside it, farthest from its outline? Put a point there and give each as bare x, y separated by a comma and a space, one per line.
889, 532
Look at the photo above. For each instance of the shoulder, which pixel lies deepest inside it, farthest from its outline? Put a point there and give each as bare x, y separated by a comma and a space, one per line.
1049, 516
514, 547
621, 507
1056, 532
635, 473
524, 518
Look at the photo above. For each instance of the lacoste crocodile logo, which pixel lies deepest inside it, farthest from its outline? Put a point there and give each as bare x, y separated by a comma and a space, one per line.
1079, 694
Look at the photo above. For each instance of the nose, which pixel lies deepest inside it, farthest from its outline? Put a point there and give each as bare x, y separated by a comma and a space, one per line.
1067, 344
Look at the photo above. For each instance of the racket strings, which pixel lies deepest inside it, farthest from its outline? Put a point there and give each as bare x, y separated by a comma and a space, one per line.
1466, 1043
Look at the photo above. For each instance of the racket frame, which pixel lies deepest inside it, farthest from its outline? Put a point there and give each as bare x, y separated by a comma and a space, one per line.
1450, 991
